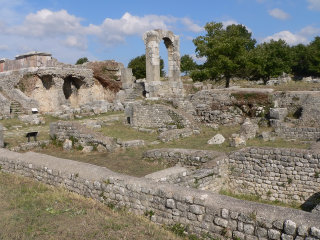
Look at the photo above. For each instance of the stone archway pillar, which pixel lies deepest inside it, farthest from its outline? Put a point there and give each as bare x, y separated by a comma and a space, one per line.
152, 41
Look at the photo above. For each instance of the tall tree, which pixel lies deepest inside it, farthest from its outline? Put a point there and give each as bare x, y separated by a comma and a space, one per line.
301, 60
138, 65
314, 48
270, 60
226, 50
187, 64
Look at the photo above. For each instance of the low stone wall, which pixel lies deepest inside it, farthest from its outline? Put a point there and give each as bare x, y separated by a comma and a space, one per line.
304, 133
186, 157
204, 179
4, 106
84, 136
275, 174
202, 211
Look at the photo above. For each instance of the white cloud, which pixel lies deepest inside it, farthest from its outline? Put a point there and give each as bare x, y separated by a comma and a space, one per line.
229, 22
75, 41
290, 38
279, 14
314, 4
46, 23
309, 31
191, 25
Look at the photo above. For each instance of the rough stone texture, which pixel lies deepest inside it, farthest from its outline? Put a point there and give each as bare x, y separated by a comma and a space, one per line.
67, 145
296, 132
186, 157
1, 136
132, 143
237, 140
217, 139
155, 87
149, 115
248, 129
33, 119
4, 106
278, 113
316, 210
174, 134
84, 136
275, 174
200, 210
172, 42
201, 169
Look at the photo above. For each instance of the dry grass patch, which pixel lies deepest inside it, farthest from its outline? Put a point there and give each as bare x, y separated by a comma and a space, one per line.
31, 210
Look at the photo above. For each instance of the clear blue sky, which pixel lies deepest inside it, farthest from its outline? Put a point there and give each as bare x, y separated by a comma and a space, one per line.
103, 29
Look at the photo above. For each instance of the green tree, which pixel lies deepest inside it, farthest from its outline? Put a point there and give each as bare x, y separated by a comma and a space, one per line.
187, 64
314, 48
226, 50
301, 60
82, 60
138, 65
269, 60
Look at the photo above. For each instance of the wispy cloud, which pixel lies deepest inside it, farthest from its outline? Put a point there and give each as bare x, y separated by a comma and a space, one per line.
314, 5
279, 14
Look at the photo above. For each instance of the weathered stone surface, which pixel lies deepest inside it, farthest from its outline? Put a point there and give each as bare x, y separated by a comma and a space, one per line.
33, 119
67, 145
248, 129
87, 149
169, 204
278, 113
1, 136
216, 140
237, 141
289, 227
132, 143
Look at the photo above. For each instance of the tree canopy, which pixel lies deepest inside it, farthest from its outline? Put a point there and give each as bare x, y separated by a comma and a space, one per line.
187, 64
226, 50
138, 65
269, 60
82, 60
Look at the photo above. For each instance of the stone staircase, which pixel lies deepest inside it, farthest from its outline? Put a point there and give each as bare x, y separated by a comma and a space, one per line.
16, 108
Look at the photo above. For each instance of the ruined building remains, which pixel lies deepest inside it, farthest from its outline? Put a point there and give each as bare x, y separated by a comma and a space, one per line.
155, 87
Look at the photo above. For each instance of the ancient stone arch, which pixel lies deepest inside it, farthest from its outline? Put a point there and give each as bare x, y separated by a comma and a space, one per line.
152, 40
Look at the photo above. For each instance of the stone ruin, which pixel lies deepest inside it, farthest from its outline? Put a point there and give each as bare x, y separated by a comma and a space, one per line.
155, 87
186, 193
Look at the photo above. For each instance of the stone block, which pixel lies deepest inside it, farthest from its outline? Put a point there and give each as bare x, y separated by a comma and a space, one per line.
278, 113
67, 145
216, 140
289, 227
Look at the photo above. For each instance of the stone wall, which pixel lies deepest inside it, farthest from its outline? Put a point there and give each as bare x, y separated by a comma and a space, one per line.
202, 211
304, 133
153, 115
4, 105
275, 174
230, 106
82, 135
186, 157
205, 169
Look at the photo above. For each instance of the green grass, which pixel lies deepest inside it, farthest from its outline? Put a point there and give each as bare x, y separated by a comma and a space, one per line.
130, 161
125, 132
31, 210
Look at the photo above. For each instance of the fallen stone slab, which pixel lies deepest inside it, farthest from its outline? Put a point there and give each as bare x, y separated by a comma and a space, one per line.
216, 140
